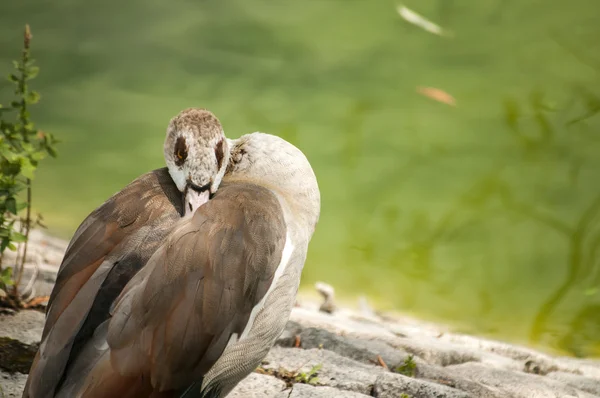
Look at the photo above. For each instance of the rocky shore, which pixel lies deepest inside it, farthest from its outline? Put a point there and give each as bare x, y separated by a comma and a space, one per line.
345, 353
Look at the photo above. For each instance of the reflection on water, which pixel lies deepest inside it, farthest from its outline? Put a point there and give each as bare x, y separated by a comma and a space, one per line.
559, 131
459, 171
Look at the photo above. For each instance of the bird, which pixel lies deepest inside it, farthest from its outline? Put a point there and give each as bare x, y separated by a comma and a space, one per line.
204, 309
117, 239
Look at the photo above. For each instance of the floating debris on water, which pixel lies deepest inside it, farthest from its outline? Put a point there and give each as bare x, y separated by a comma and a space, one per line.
422, 22
437, 94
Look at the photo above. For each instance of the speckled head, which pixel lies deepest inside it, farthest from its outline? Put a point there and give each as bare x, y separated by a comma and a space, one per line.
196, 153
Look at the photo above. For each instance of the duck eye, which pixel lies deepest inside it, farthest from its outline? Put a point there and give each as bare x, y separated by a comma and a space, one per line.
181, 151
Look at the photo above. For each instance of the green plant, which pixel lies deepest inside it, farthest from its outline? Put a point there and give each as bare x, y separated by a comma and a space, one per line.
293, 376
22, 147
408, 367
309, 377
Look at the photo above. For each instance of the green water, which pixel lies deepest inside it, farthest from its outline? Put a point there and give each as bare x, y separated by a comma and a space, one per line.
485, 215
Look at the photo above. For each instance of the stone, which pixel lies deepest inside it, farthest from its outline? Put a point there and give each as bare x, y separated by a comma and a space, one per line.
25, 326
305, 391
257, 386
439, 375
16, 356
11, 385
341, 322
517, 384
435, 352
392, 385
38, 279
328, 293
362, 350
583, 383
288, 336
336, 371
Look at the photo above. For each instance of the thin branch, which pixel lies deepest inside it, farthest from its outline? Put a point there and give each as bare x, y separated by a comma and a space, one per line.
581, 57
533, 213
575, 260
19, 252
27, 229
592, 253
587, 217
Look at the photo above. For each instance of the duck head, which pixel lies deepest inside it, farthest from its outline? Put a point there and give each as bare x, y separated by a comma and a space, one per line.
196, 153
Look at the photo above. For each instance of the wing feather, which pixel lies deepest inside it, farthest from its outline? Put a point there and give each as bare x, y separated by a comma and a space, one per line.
175, 318
110, 245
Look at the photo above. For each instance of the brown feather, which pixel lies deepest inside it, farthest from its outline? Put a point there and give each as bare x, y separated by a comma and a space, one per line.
120, 225
174, 319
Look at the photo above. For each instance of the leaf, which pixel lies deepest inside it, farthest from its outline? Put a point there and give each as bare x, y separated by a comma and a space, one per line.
51, 151
27, 147
6, 276
33, 97
27, 169
6, 273
13, 78
316, 368
11, 205
18, 237
32, 72
37, 156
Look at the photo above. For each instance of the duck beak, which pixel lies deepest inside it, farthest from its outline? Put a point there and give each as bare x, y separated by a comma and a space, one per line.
194, 197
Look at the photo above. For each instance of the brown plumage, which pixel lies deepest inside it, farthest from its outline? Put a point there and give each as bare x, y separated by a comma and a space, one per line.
175, 317
111, 244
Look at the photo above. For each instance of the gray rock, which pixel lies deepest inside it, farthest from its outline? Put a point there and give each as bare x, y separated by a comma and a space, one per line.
288, 336
518, 385
438, 353
343, 322
362, 350
11, 385
16, 356
44, 282
443, 376
328, 293
336, 371
25, 326
392, 385
257, 386
306, 391
584, 367
583, 383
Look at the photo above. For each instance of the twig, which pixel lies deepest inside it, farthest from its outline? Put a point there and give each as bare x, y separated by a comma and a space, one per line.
382, 362
27, 229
